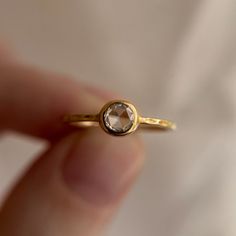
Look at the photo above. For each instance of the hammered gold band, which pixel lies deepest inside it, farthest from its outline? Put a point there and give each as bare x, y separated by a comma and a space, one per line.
122, 119
84, 120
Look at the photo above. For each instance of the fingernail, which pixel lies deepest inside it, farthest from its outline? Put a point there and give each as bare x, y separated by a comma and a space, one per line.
100, 168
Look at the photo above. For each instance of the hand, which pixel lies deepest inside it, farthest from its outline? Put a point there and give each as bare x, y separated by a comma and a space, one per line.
76, 185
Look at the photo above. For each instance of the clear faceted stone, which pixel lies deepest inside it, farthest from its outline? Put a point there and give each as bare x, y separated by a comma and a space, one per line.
119, 117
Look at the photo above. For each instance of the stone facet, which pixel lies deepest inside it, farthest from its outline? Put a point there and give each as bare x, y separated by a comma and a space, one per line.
119, 117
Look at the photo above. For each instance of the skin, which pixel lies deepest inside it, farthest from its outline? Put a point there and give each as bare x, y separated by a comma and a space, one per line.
76, 186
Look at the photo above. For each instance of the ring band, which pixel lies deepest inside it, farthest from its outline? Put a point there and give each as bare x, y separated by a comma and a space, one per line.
119, 118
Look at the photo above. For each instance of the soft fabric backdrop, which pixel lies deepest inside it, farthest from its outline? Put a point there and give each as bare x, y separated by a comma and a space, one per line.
173, 58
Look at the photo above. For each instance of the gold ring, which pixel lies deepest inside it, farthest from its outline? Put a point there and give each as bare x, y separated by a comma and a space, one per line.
119, 118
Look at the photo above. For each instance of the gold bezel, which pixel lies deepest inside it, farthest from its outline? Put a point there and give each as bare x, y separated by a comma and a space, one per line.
107, 130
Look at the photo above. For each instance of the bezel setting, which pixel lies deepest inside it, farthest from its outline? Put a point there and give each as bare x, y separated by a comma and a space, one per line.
132, 113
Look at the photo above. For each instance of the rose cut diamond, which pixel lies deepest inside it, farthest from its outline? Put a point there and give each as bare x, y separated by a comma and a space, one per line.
119, 117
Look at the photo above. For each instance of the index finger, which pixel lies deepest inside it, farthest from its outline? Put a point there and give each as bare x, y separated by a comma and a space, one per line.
33, 101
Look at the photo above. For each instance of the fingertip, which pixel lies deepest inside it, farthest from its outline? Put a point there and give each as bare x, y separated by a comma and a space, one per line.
101, 168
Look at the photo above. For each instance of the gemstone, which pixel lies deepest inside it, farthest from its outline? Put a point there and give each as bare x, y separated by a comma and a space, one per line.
119, 117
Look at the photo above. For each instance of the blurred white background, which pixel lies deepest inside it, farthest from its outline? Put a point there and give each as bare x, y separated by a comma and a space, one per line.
181, 56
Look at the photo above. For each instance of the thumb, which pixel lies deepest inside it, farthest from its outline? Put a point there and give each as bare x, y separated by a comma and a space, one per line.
74, 188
